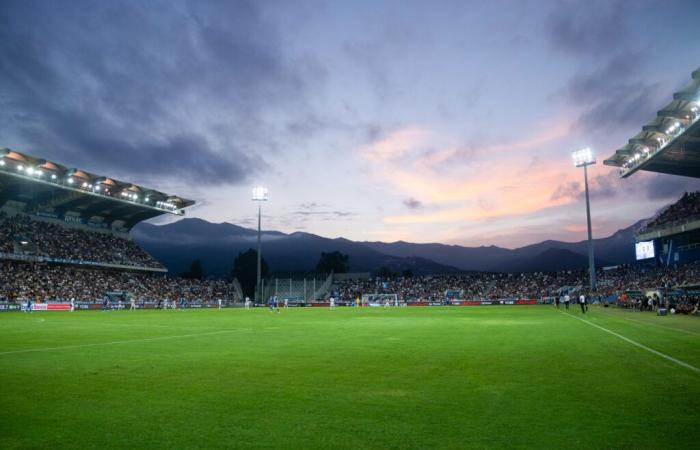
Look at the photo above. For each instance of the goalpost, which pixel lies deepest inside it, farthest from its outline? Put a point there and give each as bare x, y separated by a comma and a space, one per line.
380, 300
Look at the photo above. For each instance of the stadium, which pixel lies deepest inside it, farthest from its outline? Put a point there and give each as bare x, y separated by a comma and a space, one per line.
104, 345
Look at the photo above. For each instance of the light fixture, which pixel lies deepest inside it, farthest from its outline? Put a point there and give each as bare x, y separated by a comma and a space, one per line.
583, 157
260, 194
70, 181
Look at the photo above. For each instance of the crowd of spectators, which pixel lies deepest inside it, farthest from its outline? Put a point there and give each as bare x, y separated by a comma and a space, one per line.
686, 208
20, 281
22, 234
537, 285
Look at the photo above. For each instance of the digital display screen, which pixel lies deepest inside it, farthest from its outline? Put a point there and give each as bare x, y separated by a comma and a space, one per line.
644, 249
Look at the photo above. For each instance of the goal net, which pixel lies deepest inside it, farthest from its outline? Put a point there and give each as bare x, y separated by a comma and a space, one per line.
380, 299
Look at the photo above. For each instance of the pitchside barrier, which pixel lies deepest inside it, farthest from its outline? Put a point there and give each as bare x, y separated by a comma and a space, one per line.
381, 300
477, 302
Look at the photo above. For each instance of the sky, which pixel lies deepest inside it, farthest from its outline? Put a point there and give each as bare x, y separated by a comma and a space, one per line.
423, 121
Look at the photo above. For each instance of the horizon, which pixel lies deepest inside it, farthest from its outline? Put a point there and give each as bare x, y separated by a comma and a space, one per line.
446, 123
263, 231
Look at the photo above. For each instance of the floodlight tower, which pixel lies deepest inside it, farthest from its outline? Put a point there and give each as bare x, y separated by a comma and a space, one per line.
584, 158
260, 195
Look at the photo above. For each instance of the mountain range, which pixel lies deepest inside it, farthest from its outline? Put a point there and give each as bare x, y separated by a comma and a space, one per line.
217, 244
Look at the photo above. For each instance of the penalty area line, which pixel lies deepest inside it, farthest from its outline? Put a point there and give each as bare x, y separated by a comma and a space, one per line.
637, 344
127, 341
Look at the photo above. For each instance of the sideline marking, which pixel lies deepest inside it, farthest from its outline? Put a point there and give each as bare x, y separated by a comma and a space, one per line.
129, 341
635, 343
680, 330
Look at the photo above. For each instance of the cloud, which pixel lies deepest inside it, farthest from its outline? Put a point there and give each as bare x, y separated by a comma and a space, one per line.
601, 186
615, 95
588, 28
174, 90
669, 187
412, 203
568, 190
396, 144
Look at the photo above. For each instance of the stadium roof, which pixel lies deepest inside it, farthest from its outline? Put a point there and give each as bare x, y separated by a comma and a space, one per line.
670, 143
50, 188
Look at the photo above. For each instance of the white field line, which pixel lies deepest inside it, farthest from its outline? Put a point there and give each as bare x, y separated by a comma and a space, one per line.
128, 341
680, 330
637, 344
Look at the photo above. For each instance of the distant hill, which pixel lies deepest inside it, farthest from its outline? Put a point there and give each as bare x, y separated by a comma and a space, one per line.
177, 244
615, 249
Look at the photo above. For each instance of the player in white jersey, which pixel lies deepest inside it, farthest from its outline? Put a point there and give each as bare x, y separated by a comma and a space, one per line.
247, 303
133, 304
332, 303
286, 304
72, 304
219, 303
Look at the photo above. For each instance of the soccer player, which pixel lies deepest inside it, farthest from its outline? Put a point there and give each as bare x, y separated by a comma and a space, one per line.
247, 303
567, 300
219, 303
582, 302
556, 301
332, 303
286, 304
72, 304
133, 304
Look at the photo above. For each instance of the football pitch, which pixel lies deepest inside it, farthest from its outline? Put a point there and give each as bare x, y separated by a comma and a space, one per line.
455, 377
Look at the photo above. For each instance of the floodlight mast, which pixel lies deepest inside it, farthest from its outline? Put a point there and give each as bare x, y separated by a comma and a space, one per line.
584, 158
260, 195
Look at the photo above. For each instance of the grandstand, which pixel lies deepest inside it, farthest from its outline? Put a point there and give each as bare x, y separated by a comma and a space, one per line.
669, 144
64, 236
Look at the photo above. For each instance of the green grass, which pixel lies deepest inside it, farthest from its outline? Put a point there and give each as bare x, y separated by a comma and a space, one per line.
472, 377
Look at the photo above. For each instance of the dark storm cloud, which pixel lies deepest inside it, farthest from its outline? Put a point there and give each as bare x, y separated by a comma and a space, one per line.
147, 89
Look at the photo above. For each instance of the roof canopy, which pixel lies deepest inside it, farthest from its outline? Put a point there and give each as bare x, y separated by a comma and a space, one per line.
670, 143
48, 187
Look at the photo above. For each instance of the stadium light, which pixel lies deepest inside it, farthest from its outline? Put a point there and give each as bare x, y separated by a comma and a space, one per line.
2, 162
260, 194
584, 158
20, 167
70, 181
53, 176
